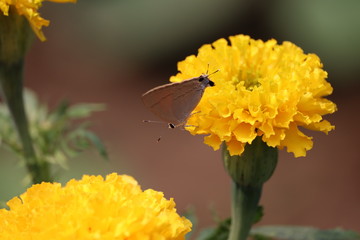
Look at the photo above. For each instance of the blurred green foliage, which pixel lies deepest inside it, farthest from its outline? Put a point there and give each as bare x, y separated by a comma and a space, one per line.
161, 31
279, 232
56, 137
328, 28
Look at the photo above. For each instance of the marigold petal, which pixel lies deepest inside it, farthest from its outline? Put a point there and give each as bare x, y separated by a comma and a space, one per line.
323, 126
221, 128
29, 9
244, 116
284, 116
224, 110
296, 141
267, 129
213, 141
276, 138
4, 7
309, 105
92, 208
245, 132
235, 147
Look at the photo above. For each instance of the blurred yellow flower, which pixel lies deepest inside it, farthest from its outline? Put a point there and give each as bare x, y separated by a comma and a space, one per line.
262, 89
92, 208
29, 9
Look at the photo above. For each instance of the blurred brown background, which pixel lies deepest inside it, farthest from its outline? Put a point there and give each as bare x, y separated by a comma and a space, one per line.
112, 51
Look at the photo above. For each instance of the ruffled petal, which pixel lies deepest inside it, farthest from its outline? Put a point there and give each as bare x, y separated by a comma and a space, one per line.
262, 89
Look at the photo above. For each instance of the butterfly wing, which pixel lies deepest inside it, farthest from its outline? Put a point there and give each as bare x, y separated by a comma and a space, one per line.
174, 102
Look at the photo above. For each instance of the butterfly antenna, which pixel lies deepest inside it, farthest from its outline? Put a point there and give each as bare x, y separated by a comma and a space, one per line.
151, 121
214, 72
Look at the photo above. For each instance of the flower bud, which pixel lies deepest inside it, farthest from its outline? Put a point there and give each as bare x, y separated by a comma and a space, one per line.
15, 37
254, 166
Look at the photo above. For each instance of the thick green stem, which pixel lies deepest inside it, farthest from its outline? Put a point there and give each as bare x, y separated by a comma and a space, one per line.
243, 210
11, 76
15, 38
248, 171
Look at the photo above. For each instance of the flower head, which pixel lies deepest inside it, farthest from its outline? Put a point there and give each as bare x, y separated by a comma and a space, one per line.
262, 89
29, 9
92, 208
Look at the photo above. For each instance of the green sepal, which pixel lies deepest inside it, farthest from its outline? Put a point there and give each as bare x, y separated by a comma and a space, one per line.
221, 232
16, 37
254, 166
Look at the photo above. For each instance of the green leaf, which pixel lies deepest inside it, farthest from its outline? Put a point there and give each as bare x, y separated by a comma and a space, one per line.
259, 214
302, 233
56, 136
221, 232
60, 111
84, 110
191, 215
96, 142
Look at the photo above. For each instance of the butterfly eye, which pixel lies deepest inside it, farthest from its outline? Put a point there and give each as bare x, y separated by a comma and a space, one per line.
201, 78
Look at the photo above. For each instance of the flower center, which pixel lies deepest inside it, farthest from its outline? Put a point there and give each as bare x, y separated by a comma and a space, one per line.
250, 79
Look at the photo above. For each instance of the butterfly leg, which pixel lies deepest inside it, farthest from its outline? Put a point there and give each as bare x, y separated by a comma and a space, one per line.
194, 113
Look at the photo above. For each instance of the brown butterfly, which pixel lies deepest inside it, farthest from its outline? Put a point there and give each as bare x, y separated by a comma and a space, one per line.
174, 102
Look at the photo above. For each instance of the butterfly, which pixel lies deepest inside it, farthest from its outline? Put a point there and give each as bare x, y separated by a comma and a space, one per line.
173, 103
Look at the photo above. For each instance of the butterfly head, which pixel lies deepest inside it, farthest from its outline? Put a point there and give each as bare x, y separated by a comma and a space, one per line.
205, 78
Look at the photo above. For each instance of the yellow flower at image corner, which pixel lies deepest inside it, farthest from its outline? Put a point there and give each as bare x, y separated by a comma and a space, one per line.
92, 208
262, 89
29, 9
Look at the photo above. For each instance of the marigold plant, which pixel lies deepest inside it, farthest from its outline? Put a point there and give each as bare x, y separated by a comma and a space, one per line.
29, 9
92, 208
262, 89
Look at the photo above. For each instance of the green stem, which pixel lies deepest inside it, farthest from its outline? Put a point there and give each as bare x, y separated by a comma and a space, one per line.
11, 76
244, 207
248, 171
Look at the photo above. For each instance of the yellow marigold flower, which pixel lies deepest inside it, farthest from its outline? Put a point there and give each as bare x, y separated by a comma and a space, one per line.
262, 89
29, 9
92, 208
